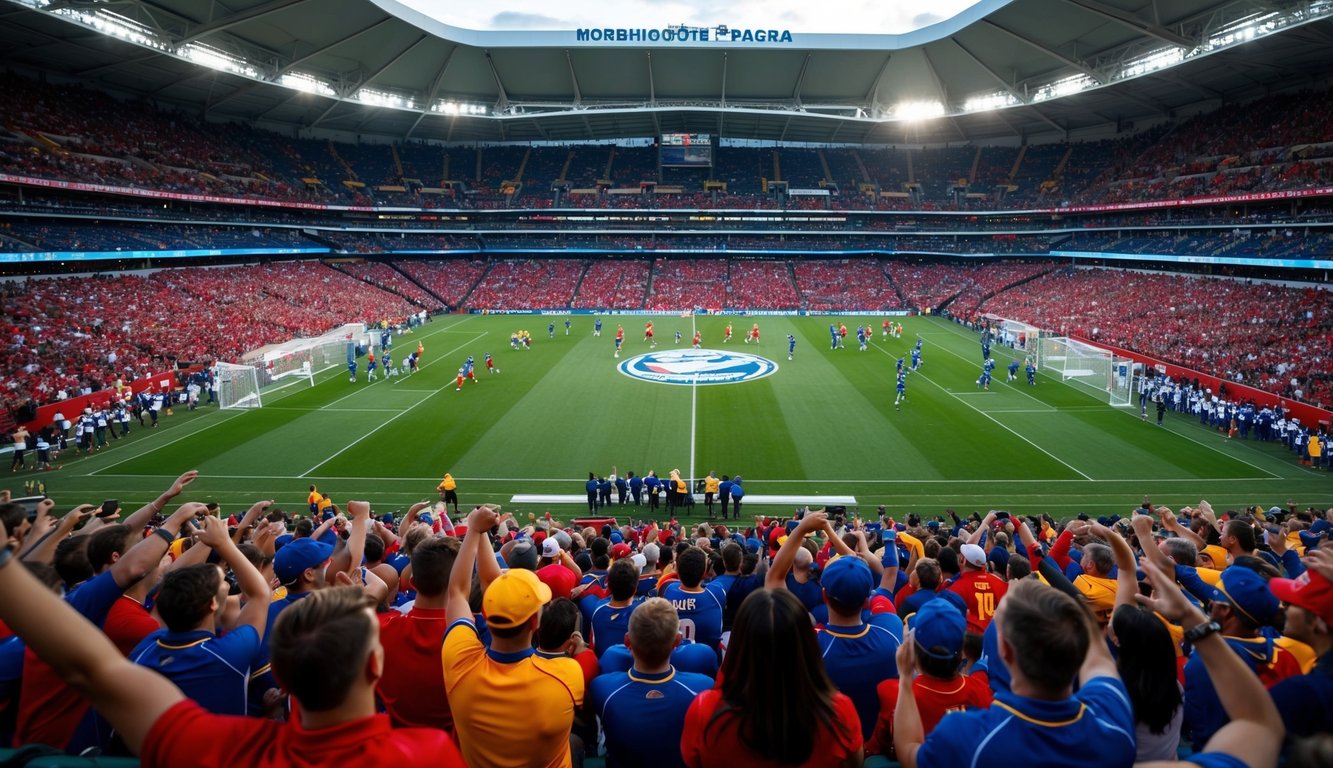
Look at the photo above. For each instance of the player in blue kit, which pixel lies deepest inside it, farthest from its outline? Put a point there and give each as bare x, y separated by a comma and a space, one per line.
550, 330
1013, 370
597, 327
568, 323
1031, 371
901, 364
861, 337
791, 345
833, 335
699, 606
916, 357
983, 381
902, 390
677, 337
351, 369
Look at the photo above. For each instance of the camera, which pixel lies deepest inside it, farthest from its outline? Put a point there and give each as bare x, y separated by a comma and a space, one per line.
109, 508
29, 504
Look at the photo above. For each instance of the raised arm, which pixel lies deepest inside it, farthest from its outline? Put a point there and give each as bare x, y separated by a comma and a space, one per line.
132, 697
1143, 529
776, 578
145, 555
1170, 523
248, 521
986, 521
143, 515
481, 520
1254, 734
1127, 580
255, 610
44, 550
908, 733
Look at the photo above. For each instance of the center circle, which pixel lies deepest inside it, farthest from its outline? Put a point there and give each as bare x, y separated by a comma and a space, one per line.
689, 367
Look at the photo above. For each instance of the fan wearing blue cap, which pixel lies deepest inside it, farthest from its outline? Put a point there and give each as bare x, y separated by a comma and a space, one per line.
1242, 604
937, 631
856, 652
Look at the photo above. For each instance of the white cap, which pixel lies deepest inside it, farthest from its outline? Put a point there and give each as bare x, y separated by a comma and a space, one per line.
550, 548
974, 555
639, 560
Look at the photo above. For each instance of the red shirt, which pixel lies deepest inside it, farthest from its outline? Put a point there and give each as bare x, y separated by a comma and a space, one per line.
560, 579
129, 622
412, 686
982, 592
705, 743
935, 697
188, 735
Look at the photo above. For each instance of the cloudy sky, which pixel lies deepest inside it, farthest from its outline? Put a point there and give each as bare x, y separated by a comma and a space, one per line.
835, 16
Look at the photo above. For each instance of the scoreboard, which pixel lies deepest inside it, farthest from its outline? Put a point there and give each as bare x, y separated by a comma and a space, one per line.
688, 150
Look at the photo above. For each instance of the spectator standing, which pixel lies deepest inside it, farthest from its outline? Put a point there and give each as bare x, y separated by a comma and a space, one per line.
486, 686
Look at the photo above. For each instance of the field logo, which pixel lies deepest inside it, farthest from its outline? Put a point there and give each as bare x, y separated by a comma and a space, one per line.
697, 366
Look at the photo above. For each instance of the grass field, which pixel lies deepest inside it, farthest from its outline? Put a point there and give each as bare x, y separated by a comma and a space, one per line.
822, 423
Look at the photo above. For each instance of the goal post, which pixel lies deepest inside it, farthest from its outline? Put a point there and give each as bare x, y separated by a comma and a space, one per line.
1095, 370
238, 385
1017, 335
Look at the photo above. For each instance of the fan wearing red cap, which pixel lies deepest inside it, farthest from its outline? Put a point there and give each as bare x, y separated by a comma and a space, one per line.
1306, 701
487, 686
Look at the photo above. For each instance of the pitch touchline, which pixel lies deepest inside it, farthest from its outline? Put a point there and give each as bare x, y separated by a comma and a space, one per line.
857, 481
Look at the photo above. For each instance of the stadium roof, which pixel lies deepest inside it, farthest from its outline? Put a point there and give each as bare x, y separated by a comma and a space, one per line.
1000, 69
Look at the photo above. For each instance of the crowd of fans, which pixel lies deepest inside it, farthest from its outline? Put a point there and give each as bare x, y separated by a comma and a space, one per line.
817, 639
1275, 143
65, 336
1274, 337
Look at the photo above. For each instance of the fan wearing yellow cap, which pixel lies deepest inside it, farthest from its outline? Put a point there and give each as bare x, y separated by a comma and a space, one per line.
487, 686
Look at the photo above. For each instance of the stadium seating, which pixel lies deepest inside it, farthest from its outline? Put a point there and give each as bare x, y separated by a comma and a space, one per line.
528, 283
613, 285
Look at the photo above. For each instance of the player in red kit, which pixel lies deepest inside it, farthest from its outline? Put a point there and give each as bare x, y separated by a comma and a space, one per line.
620, 338
698, 340
726, 335
754, 333
460, 380
648, 333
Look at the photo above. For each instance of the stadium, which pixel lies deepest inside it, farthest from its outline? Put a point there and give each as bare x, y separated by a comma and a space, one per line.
1048, 256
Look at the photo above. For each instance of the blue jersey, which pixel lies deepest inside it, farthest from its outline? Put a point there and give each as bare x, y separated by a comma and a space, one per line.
989, 365
388, 361
1038, 733
900, 366
918, 345
902, 384
1013, 368
854, 658
791, 342
610, 624
597, 324
916, 356
626, 701
212, 670
700, 612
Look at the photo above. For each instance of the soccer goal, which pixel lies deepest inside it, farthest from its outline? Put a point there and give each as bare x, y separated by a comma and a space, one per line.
238, 385
1016, 334
1084, 366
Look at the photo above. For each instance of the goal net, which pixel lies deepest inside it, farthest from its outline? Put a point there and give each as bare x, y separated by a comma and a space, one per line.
238, 385
1015, 334
1095, 370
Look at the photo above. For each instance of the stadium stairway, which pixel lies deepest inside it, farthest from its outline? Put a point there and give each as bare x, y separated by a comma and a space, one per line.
418, 284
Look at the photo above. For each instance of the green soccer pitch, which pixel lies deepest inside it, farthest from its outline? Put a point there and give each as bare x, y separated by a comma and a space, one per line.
822, 423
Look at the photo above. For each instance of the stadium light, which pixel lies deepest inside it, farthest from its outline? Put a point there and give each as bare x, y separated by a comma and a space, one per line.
918, 110
385, 99
308, 83
208, 56
990, 101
